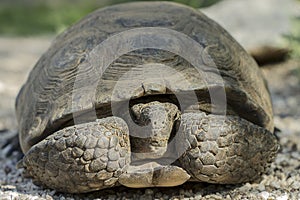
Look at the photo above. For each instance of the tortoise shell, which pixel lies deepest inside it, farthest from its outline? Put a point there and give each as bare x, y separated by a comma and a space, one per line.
112, 54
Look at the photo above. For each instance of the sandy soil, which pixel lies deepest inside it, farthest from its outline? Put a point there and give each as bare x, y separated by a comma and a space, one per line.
282, 181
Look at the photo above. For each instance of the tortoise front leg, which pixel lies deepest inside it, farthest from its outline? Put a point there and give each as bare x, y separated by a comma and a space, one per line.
224, 149
81, 158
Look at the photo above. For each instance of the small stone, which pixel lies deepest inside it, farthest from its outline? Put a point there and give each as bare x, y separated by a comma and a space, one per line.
245, 188
112, 197
296, 185
158, 195
296, 155
48, 197
261, 187
264, 195
214, 197
166, 197
181, 192
283, 197
149, 192
7, 169
188, 193
275, 185
199, 195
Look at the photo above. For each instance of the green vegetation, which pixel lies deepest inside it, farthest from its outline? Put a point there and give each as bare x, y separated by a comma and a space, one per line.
22, 19
34, 17
293, 38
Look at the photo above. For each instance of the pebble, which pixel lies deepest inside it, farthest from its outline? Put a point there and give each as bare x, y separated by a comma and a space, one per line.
149, 192
165, 196
264, 195
112, 197
283, 197
275, 185
296, 185
158, 195
48, 197
296, 155
261, 188
245, 188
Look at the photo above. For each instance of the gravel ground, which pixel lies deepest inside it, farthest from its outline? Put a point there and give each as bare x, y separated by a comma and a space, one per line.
282, 181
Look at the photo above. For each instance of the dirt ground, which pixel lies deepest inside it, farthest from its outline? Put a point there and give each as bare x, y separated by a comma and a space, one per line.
282, 182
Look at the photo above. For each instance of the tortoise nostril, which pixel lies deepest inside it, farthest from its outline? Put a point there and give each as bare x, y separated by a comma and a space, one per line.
154, 143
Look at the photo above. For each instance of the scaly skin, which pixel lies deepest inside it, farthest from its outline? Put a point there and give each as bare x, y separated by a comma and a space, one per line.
224, 149
97, 155
81, 158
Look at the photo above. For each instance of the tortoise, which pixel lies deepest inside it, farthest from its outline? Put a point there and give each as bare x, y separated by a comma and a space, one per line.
144, 94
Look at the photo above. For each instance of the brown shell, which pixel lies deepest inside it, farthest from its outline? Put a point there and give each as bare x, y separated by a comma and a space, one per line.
66, 72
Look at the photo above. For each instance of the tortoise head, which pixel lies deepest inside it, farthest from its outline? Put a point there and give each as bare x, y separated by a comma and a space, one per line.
157, 121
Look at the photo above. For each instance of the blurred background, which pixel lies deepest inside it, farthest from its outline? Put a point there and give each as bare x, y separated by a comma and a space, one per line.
32, 17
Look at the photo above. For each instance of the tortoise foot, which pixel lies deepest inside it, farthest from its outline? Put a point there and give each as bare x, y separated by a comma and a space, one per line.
80, 158
225, 149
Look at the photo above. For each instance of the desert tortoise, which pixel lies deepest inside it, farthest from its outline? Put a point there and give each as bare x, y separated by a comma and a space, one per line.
144, 94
